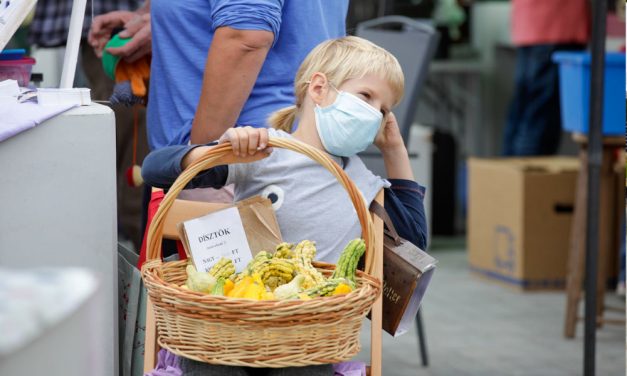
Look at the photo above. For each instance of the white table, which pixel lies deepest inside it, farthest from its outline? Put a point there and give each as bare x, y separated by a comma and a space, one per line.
58, 205
43, 313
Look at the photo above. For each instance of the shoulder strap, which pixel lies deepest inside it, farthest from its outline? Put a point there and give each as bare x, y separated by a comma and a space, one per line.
380, 212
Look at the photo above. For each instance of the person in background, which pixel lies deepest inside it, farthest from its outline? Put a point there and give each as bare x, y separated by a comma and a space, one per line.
218, 64
135, 25
540, 28
49, 29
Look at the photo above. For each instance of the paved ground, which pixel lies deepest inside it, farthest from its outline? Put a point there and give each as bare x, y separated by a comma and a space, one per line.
477, 328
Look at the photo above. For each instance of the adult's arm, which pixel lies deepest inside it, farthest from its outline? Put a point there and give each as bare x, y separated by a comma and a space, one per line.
404, 205
245, 30
233, 64
162, 166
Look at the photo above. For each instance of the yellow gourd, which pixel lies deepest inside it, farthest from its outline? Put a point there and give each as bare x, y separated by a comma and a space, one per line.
228, 286
240, 287
268, 295
303, 296
341, 289
254, 291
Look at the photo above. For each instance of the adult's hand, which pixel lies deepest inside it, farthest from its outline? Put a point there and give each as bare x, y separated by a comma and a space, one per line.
103, 25
137, 28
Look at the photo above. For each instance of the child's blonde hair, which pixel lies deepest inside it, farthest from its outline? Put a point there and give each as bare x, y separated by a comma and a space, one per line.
340, 60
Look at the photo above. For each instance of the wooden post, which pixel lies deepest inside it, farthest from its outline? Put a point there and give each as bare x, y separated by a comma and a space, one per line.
576, 255
151, 347
376, 318
608, 231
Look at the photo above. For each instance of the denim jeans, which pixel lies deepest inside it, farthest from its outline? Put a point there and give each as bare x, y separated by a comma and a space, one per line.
195, 368
534, 121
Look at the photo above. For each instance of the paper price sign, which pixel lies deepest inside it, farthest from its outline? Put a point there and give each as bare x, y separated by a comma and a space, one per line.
217, 235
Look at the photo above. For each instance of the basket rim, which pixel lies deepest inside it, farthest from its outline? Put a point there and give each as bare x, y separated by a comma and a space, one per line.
151, 273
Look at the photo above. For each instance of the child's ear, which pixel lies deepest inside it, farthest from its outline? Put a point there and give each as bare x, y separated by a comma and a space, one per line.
318, 88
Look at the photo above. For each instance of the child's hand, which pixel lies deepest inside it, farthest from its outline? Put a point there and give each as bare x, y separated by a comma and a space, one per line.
389, 137
246, 140
395, 158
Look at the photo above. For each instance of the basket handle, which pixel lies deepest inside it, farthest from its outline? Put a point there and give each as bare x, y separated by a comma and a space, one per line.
222, 154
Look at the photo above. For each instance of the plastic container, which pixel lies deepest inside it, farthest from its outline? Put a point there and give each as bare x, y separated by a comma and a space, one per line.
12, 54
19, 70
574, 70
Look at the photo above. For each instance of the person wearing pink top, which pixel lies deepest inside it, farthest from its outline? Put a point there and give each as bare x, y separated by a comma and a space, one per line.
540, 28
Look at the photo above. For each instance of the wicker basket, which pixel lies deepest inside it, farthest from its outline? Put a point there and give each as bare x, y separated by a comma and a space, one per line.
243, 332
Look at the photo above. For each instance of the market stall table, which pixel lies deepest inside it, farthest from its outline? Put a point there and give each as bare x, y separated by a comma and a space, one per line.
59, 206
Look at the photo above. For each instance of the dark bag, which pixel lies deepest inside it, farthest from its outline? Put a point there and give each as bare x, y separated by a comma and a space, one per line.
407, 271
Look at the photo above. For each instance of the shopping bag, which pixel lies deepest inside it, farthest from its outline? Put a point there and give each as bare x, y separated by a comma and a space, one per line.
131, 313
407, 271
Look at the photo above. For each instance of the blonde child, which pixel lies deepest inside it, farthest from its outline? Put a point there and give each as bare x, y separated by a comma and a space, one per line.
344, 90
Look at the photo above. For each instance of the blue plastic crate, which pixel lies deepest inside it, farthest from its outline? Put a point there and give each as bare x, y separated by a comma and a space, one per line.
574, 69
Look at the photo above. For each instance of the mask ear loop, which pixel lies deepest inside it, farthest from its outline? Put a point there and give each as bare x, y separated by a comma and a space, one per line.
330, 84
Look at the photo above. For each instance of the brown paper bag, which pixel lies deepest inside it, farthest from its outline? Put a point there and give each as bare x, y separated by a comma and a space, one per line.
407, 271
258, 218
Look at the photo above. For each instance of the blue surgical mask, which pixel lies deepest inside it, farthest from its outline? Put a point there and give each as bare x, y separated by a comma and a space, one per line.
348, 126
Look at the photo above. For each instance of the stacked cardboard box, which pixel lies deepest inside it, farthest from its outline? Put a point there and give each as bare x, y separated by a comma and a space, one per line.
519, 219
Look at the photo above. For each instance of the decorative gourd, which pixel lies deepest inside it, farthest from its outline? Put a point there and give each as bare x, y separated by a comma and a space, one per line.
325, 288
303, 254
218, 289
253, 264
240, 287
289, 289
256, 289
228, 286
342, 289
284, 251
347, 264
199, 281
224, 268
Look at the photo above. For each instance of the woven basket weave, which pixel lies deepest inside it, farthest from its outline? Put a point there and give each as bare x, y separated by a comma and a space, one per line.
228, 331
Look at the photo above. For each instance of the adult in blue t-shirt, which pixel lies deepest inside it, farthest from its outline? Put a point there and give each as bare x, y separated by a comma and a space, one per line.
222, 63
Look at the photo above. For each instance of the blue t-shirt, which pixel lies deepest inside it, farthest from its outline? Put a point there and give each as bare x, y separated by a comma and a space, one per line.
181, 35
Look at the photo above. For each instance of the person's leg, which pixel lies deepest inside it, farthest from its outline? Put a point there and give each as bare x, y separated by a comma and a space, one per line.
195, 368
517, 104
540, 128
551, 137
321, 370
537, 122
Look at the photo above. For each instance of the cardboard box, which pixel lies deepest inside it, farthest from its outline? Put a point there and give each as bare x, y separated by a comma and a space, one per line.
519, 219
